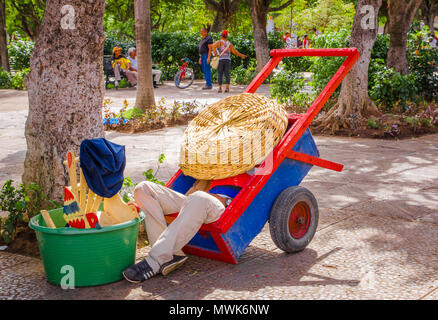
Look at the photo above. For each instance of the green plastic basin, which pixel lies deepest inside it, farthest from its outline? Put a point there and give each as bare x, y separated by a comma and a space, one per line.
96, 256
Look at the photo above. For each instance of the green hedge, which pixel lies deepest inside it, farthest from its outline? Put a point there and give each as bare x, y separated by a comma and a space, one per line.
19, 52
168, 48
390, 89
9, 81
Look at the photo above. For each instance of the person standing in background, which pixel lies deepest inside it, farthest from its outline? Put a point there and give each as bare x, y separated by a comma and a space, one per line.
224, 48
290, 41
287, 40
270, 28
306, 42
204, 46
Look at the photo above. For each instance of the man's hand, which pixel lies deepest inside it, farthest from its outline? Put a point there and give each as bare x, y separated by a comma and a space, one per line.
200, 61
208, 60
243, 56
199, 185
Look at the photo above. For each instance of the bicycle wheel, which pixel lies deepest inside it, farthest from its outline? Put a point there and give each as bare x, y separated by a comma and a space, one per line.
185, 81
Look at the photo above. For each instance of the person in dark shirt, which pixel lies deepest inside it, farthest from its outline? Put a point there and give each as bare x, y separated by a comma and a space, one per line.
203, 52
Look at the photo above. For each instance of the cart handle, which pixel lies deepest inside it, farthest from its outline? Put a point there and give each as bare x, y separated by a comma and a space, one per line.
352, 55
303, 122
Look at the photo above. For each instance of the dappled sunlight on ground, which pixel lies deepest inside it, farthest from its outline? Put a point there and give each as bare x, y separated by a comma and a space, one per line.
376, 239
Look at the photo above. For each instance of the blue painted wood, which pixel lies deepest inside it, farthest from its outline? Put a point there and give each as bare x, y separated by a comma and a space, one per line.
204, 240
183, 183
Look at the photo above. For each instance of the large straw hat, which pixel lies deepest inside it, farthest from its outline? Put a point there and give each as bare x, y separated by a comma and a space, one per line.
232, 136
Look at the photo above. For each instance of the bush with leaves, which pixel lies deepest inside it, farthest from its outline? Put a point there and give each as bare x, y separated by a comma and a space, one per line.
18, 79
323, 68
244, 75
423, 64
288, 88
111, 41
391, 89
128, 187
22, 203
380, 48
298, 64
5, 79
19, 52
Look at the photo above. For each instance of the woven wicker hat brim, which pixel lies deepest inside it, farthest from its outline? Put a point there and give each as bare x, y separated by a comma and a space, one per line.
232, 136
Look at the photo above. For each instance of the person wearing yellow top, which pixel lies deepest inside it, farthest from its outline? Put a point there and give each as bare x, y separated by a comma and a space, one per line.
122, 66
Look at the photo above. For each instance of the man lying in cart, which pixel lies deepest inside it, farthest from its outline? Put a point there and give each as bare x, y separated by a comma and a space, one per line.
204, 203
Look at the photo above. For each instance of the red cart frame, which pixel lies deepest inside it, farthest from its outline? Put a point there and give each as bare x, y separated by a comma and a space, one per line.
282, 151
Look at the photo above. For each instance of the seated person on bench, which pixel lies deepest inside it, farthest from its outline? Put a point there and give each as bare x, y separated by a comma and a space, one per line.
122, 66
195, 208
132, 56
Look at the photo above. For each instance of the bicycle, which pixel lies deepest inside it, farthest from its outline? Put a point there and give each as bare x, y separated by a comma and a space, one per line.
185, 76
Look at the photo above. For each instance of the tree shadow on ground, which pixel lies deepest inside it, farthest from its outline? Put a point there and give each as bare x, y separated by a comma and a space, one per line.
393, 201
389, 190
199, 277
260, 269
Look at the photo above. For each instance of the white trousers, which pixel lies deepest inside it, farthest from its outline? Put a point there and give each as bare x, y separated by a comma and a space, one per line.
156, 201
156, 74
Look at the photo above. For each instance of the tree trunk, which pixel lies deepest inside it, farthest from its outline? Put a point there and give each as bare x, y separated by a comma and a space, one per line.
429, 10
224, 9
145, 89
65, 89
4, 60
401, 15
220, 21
430, 21
354, 104
259, 12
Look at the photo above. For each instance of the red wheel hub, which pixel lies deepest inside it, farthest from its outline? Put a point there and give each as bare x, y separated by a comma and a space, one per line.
299, 220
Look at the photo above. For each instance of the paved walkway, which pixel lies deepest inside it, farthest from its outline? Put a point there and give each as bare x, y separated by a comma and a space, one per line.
376, 239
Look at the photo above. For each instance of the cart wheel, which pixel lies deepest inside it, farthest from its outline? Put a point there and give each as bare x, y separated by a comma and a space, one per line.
293, 219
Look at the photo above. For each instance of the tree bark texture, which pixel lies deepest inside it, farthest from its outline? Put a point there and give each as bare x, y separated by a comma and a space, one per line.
224, 9
401, 13
429, 10
65, 89
354, 103
259, 10
4, 61
261, 45
145, 88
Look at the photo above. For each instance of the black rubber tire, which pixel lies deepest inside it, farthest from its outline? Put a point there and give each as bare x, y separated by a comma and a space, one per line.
279, 219
189, 80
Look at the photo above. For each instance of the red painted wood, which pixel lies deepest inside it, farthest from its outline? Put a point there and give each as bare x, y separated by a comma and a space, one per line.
333, 52
264, 73
172, 180
314, 161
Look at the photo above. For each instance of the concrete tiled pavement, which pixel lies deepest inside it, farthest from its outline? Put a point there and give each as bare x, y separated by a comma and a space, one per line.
377, 235
376, 239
